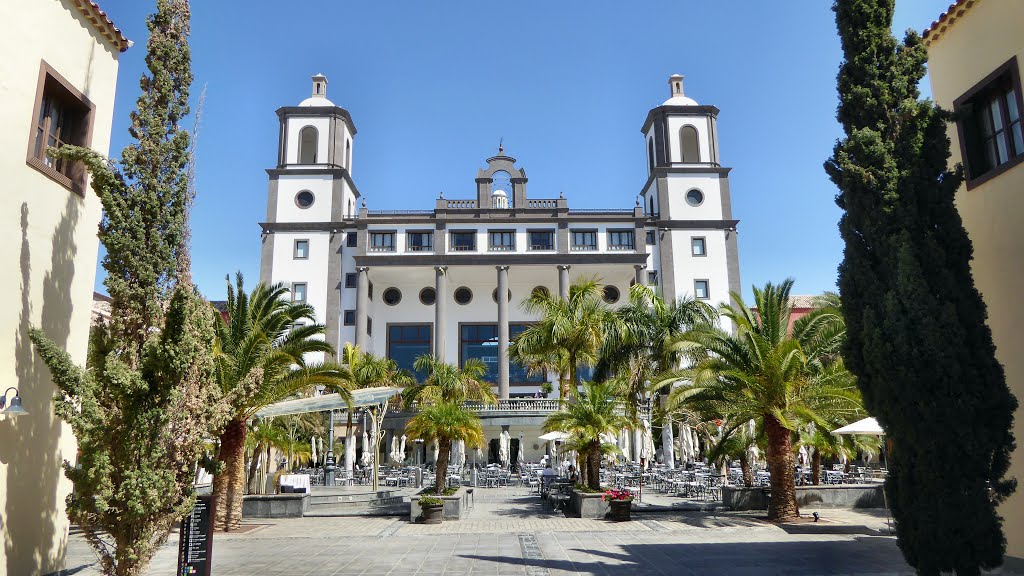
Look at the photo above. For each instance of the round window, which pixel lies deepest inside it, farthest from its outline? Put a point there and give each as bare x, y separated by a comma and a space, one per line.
494, 295
694, 197
541, 291
427, 296
463, 295
611, 294
392, 296
304, 199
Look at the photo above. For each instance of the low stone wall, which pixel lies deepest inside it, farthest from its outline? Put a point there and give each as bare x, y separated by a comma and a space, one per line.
824, 496
586, 505
274, 505
456, 506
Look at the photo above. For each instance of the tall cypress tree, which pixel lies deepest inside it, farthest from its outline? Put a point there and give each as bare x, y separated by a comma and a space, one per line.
916, 333
146, 400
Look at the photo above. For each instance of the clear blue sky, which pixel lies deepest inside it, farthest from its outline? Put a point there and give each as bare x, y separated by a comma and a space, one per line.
432, 86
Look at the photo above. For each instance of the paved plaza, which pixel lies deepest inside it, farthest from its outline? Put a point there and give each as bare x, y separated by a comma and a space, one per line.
511, 532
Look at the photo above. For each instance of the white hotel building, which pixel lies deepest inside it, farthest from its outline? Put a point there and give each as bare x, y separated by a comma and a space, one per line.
402, 283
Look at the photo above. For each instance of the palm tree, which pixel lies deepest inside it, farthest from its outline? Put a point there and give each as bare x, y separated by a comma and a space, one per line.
569, 333
361, 370
781, 380
260, 439
259, 356
445, 421
595, 412
449, 383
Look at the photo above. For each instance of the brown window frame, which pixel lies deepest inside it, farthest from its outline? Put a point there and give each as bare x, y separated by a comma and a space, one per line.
964, 131
53, 84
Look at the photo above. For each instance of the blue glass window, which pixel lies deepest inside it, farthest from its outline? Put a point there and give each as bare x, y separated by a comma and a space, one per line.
481, 341
406, 343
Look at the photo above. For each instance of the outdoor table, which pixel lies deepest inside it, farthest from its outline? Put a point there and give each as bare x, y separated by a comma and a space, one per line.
295, 481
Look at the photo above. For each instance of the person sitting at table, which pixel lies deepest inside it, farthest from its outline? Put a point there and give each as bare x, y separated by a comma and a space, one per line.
573, 476
547, 475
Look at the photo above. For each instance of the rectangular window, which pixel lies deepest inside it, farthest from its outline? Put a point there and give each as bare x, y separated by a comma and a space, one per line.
382, 241
350, 280
481, 341
299, 292
698, 246
700, 290
62, 116
301, 249
621, 240
351, 240
651, 237
990, 129
406, 343
350, 318
542, 239
464, 241
584, 239
652, 278
420, 241
503, 241
369, 326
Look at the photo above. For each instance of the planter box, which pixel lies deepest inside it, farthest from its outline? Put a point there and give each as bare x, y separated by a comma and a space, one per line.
456, 506
824, 496
275, 505
586, 505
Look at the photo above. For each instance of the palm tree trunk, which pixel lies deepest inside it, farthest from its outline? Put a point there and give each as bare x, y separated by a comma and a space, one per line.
444, 454
594, 464
253, 468
748, 475
816, 467
229, 485
573, 384
781, 465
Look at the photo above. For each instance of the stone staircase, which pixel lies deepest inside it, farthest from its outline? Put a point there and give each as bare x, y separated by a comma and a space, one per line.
345, 502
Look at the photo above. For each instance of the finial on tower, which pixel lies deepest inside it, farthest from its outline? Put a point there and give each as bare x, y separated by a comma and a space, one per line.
501, 149
320, 85
675, 83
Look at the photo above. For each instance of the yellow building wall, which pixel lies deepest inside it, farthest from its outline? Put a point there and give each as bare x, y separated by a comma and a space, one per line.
48, 250
981, 40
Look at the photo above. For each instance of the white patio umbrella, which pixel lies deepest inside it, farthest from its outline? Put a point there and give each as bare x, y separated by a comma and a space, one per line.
868, 427
367, 457
503, 448
556, 435
647, 449
312, 449
437, 450
401, 447
624, 441
394, 450
668, 444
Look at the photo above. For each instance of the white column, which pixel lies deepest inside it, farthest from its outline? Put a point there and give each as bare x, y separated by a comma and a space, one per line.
440, 311
503, 376
362, 305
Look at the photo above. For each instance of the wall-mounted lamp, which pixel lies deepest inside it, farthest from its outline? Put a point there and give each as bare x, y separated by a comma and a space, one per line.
15, 409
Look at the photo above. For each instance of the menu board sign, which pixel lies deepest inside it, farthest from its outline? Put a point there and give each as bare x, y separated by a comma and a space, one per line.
195, 547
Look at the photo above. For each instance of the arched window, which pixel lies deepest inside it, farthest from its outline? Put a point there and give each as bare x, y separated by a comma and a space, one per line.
650, 155
351, 208
650, 201
348, 155
688, 144
307, 145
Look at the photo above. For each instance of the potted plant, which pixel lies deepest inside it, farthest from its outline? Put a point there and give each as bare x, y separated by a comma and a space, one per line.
620, 502
431, 510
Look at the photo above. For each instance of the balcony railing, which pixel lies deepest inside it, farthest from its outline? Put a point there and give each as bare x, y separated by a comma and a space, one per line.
621, 247
542, 203
515, 405
461, 203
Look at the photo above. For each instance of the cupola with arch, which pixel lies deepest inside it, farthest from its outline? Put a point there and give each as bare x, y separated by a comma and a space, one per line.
681, 132
316, 134
501, 185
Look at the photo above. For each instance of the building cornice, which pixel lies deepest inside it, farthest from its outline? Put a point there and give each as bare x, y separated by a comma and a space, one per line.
353, 223
317, 112
662, 111
326, 170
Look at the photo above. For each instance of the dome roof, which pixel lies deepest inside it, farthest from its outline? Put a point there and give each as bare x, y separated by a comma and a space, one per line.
316, 101
499, 192
680, 100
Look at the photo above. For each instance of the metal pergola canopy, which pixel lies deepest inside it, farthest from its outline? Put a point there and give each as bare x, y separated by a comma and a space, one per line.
362, 398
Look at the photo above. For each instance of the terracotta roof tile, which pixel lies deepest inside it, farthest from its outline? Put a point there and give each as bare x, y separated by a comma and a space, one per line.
946, 19
102, 23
